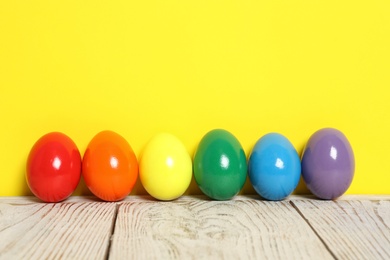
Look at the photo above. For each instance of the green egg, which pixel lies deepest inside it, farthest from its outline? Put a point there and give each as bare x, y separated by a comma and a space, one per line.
220, 166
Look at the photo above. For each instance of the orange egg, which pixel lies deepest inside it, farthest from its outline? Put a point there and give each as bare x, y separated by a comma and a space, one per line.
110, 167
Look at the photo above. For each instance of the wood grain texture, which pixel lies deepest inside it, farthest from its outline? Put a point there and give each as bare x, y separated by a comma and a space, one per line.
351, 229
196, 228
68, 230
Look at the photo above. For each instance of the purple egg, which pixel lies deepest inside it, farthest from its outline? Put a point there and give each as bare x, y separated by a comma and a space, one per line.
328, 164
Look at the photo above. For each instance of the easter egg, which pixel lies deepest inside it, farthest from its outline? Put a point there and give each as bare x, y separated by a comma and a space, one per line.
110, 167
274, 167
53, 167
220, 166
328, 163
165, 167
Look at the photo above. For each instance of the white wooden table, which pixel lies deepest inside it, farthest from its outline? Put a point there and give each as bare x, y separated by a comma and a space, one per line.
353, 227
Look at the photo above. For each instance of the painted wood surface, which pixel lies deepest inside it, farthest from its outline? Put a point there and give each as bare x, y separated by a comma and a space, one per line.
353, 227
69, 230
240, 229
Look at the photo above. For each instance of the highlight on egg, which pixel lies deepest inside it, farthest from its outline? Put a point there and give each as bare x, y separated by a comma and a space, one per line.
165, 167
220, 167
274, 167
328, 163
109, 167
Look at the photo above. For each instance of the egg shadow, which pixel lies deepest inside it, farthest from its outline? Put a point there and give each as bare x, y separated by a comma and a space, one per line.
301, 188
138, 188
82, 189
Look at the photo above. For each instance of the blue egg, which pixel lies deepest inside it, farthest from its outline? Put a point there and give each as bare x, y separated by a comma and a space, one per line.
274, 167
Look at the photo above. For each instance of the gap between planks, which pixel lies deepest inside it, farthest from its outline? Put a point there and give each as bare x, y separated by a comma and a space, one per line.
114, 219
314, 230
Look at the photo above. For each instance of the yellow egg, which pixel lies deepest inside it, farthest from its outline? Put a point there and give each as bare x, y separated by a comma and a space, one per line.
165, 167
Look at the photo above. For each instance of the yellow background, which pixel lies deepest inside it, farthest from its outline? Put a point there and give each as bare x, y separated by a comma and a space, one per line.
186, 67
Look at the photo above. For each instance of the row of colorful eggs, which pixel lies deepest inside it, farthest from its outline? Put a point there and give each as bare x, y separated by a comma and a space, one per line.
220, 167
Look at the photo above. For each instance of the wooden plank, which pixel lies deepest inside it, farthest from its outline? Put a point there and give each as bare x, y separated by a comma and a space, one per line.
191, 228
68, 230
351, 229
344, 197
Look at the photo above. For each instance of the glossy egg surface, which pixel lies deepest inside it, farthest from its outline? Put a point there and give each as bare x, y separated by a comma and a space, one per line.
165, 167
220, 167
328, 163
274, 167
110, 167
53, 167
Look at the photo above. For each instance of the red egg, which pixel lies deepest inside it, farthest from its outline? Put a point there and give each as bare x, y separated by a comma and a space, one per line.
53, 167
